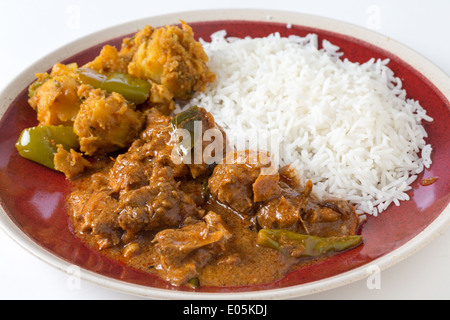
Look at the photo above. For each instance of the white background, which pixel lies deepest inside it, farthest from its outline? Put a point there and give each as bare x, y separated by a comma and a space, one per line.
31, 29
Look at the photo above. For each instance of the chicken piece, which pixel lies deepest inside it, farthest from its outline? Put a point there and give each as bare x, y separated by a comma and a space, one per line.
183, 252
196, 188
212, 148
290, 176
105, 122
156, 206
266, 187
170, 56
284, 212
202, 142
54, 96
130, 170
70, 163
300, 211
97, 215
158, 144
331, 218
134, 168
239, 180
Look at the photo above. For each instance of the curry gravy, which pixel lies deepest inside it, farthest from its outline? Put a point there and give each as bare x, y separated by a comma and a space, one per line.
243, 263
198, 221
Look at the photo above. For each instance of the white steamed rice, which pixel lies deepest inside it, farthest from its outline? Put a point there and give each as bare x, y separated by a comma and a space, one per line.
346, 126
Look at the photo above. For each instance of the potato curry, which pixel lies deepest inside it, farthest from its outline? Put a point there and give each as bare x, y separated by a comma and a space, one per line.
110, 127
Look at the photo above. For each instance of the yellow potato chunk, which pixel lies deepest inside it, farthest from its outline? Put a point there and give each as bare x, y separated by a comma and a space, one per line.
105, 122
161, 98
109, 60
130, 45
54, 96
70, 163
173, 58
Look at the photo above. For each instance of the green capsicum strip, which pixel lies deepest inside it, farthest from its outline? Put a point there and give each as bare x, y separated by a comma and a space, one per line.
186, 120
192, 113
194, 283
309, 246
33, 88
39, 144
131, 88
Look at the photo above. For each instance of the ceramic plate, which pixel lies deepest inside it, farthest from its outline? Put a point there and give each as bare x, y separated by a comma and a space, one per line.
33, 197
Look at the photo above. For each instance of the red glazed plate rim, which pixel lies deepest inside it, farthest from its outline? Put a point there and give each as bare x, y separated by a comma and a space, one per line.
437, 77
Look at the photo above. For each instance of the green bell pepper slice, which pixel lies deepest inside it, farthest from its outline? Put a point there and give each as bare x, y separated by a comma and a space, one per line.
290, 243
39, 144
186, 120
194, 283
33, 88
131, 88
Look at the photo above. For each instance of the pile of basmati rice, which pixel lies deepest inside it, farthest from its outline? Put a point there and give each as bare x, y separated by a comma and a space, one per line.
346, 126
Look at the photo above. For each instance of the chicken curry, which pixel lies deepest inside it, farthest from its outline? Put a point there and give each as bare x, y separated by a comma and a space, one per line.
139, 193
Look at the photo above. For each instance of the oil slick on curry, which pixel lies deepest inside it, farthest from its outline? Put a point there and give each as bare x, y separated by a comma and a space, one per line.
140, 193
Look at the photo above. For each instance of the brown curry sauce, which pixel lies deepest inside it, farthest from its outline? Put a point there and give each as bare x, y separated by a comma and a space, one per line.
106, 211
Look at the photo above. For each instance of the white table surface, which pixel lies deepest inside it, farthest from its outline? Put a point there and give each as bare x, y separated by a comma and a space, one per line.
31, 29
